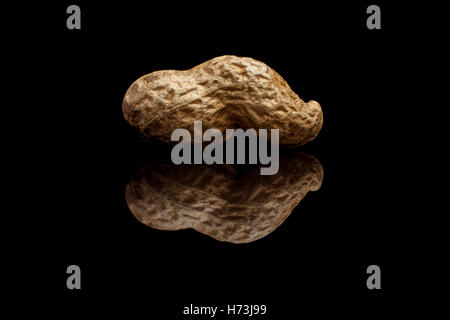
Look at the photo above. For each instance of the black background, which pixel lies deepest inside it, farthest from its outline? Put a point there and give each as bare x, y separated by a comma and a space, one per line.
84, 153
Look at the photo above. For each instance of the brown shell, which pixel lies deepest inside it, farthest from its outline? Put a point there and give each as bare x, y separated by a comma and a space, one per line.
225, 92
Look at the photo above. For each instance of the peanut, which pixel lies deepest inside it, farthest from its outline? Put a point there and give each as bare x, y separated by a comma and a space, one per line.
218, 201
224, 92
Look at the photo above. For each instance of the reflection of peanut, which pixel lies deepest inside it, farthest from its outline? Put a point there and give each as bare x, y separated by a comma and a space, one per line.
219, 202
225, 92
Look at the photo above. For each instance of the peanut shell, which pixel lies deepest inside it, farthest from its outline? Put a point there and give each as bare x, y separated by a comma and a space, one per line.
225, 92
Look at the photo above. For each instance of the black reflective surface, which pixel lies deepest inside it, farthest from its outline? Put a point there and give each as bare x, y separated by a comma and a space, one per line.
228, 203
79, 157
